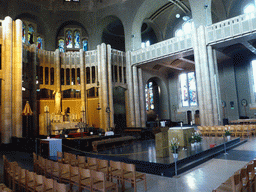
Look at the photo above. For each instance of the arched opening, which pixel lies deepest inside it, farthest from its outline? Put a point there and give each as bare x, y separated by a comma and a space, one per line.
119, 108
148, 36
113, 34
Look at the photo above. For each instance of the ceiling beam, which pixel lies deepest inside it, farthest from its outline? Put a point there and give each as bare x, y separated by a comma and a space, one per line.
187, 60
170, 66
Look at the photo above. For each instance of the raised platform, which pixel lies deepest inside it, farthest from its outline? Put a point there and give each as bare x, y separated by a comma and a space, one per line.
143, 154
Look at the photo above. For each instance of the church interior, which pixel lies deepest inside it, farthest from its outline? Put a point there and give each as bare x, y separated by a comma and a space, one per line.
108, 77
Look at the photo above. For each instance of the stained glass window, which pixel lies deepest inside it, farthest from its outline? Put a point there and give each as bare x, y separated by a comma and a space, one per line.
31, 34
39, 42
184, 89
85, 45
149, 96
192, 89
188, 89
77, 39
69, 39
23, 33
61, 45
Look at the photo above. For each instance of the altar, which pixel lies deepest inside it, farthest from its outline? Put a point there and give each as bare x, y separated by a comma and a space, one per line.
181, 133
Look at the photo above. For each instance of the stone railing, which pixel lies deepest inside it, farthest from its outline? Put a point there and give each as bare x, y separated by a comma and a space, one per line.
162, 49
231, 28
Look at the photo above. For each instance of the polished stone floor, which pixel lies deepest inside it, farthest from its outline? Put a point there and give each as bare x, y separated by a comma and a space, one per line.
202, 178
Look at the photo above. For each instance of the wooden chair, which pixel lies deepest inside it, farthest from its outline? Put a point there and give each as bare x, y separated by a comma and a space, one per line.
85, 179
251, 176
212, 131
100, 183
244, 178
55, 171
59, 187
130, 175
41, 165
115, 171
22, 179
12, 172
81, 161
35, 162
29, 180
92, 163
72, 159
220, 131
103, 166
48, 184
236, 182
239, 131
64, 172
38, 183
48, 168
66, 158
59, 157
74, 177
245, 131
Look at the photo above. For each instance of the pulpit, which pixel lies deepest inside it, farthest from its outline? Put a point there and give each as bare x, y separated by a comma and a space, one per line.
50, 147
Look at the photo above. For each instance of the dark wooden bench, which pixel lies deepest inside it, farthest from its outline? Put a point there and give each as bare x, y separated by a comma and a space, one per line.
111, 142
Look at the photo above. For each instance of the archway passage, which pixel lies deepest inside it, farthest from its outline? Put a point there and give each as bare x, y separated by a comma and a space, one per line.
119, 108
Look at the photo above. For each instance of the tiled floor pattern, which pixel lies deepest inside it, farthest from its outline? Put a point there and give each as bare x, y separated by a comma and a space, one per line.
202, 178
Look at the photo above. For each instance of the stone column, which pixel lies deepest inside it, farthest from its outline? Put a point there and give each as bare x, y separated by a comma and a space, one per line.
130, 110
83, 86
136, 97
7, 83
142, 99
198, 77
213, 79
100, 86
104, 85
17, 80
33, 55
57, 83
110, 87
205, 76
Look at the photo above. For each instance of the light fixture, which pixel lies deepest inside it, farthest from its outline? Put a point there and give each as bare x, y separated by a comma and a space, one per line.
185, 18
177, 16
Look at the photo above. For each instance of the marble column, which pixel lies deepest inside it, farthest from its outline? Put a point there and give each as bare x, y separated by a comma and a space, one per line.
6, 132
83, 87
136, 97
57, 84
142, 99
130, 109
17, 80
110, 87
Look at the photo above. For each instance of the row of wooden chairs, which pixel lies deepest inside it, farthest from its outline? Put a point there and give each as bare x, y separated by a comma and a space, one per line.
15, 176
243, 180
120, 171
4, 188
235, 130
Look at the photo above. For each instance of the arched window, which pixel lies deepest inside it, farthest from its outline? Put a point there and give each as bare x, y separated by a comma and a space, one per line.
185, 29
188, 94
31, 34
71, 39
149, 95
249, 10
61, 45
77, 39
85, 45
23, 33
39, 43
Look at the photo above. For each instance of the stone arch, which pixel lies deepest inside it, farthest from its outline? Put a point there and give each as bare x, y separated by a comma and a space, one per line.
162, 103
111, 30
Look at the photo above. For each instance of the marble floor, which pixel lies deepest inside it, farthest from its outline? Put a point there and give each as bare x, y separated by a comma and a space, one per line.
202, 178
